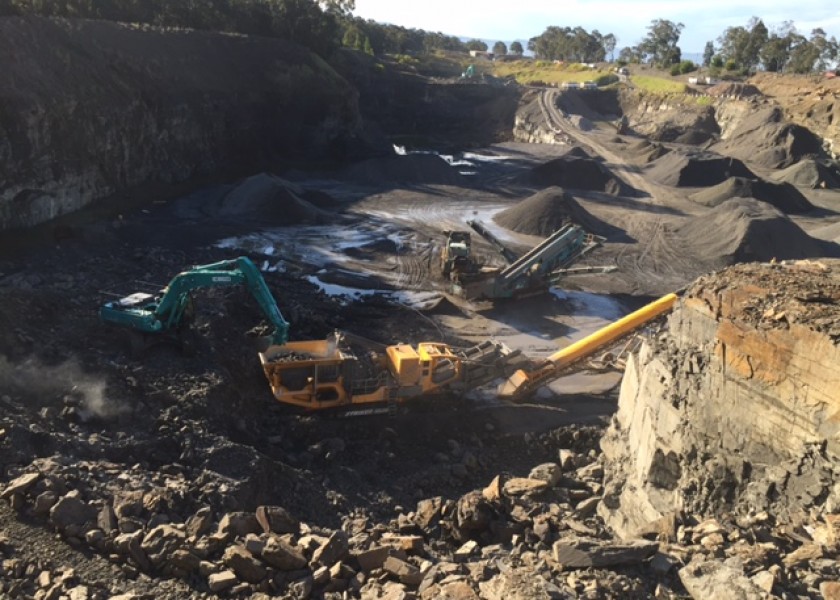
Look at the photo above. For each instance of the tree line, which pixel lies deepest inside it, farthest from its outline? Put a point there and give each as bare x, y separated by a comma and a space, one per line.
325, 25
784, 49
741, 49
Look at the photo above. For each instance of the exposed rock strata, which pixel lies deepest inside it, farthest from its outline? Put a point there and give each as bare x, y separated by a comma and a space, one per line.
737, 407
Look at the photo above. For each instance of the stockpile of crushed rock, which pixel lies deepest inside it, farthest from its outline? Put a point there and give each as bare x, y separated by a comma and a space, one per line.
271, 198
745, 229
690, 127
577, 172
783, 196
548, 210
646, 151
765, 138
687, 168
811, 173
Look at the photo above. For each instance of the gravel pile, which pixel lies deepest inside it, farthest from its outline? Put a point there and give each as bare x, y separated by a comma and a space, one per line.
783, 196
548, 210
812, 174
577, 172
766, 139
685, 168
645, 151
269, 197
745, 229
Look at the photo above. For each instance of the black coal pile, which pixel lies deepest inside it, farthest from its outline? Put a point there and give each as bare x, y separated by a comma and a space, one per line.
783, 196
745, 229
696, 169
811, 173
577, 172
548, 210
765, 138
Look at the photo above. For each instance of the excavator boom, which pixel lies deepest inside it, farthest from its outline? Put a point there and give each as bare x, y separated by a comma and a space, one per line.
165, 312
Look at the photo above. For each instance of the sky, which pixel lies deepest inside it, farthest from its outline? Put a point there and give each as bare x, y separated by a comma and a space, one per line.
508, 20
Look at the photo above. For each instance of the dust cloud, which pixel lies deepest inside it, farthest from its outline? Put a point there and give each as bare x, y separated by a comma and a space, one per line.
66, 383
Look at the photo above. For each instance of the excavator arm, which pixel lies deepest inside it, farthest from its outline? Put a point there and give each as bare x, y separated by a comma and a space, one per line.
165, 311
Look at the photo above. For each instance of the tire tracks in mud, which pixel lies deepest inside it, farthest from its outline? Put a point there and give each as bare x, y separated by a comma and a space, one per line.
413, 265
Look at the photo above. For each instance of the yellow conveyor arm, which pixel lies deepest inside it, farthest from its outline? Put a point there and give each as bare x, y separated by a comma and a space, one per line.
522, 382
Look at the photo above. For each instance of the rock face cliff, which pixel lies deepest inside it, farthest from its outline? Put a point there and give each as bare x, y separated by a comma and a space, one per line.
736, 409
90, 108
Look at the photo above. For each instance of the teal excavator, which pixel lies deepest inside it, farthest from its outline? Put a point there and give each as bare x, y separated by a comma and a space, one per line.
165, 314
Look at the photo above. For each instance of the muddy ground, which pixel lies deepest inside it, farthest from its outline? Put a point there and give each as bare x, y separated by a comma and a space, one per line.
326, 242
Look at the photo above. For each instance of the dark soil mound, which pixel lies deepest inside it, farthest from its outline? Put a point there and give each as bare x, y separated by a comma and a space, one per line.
696, 169
413, 168
576, 172
811, 173
548, 210
578, 152
269, 197
745, 229
766, 139
783, 196
691, 129
645, 151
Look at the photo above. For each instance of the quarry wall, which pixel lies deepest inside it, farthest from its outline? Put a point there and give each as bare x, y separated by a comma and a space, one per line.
736, 409
90, 108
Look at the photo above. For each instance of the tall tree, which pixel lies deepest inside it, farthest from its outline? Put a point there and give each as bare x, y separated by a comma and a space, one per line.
826, 47
609, 42
755, 42
516, 48
803, 54
500, 49
477, 45
708, 54
775, 53
660, 45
